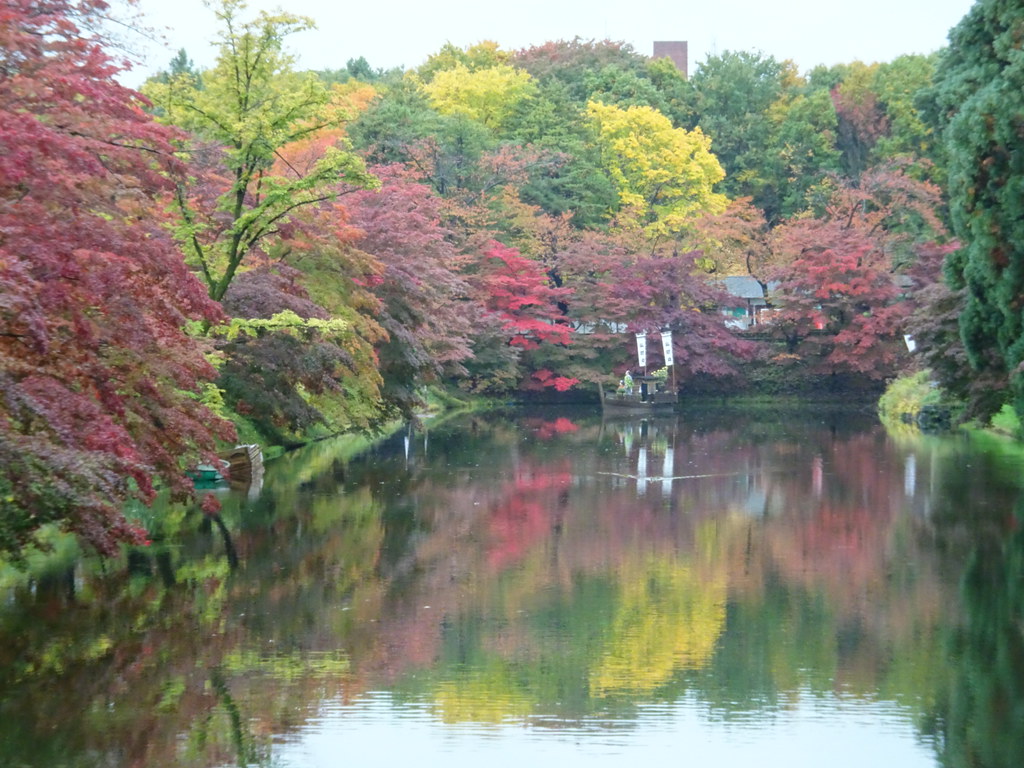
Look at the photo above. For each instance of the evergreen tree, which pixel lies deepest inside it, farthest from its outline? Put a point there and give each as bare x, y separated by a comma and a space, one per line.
979, 94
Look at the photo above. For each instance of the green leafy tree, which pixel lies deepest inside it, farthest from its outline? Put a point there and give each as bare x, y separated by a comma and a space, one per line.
251, 105
627, 88
394, 123
899, 84
609, 72
572, 181
803, 153
676, 91
731, 101
355, 69
180, 66
451, 160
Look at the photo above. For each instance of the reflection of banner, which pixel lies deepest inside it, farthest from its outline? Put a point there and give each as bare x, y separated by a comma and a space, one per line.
666, 346
641, 349
641, 472
668, 468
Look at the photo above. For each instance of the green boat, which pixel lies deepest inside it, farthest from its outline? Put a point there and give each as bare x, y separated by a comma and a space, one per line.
208, 473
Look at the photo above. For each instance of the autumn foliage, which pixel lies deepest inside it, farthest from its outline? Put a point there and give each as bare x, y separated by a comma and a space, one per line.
493, 221
840, 310
99, 385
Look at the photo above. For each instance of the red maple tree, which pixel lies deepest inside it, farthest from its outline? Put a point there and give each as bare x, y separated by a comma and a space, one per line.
515, 293
844, 275
840, 306
419, 289
620, 287
99, 383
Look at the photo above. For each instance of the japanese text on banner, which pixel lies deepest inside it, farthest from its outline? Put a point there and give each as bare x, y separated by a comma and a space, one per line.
666, 346
641, 349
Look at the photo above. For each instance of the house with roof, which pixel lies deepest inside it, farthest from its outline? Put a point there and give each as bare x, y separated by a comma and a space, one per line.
746, 306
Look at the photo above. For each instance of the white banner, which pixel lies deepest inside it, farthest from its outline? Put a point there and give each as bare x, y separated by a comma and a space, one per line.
666, 346
641, 349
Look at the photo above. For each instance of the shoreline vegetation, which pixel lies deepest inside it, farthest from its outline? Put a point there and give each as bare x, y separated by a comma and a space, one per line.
918, 401
59, 549
897, 409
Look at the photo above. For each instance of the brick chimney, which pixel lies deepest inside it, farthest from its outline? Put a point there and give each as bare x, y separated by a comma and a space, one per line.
675, 50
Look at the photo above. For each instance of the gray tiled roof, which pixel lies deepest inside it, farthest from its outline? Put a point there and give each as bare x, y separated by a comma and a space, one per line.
743, 287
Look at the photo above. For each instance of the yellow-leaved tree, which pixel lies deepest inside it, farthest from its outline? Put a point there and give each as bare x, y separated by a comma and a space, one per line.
665, 175
488, 96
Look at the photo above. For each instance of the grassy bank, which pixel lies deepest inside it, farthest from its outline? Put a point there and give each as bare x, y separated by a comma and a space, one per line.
909, 400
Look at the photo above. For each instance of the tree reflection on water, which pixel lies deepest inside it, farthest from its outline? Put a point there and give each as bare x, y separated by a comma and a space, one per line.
550, 570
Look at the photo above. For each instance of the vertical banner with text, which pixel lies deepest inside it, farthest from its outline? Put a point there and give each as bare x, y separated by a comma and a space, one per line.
641, 349
666, 347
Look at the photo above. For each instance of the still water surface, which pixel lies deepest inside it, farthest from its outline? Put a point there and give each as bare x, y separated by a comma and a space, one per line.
722, 587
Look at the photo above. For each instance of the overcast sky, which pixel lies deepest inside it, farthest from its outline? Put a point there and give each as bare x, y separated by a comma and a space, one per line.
402, 33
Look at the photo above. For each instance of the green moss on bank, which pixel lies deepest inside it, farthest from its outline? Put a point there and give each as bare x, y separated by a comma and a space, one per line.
1006, 422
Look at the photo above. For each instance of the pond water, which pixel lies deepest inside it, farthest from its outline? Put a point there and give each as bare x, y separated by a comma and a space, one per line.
719, 587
